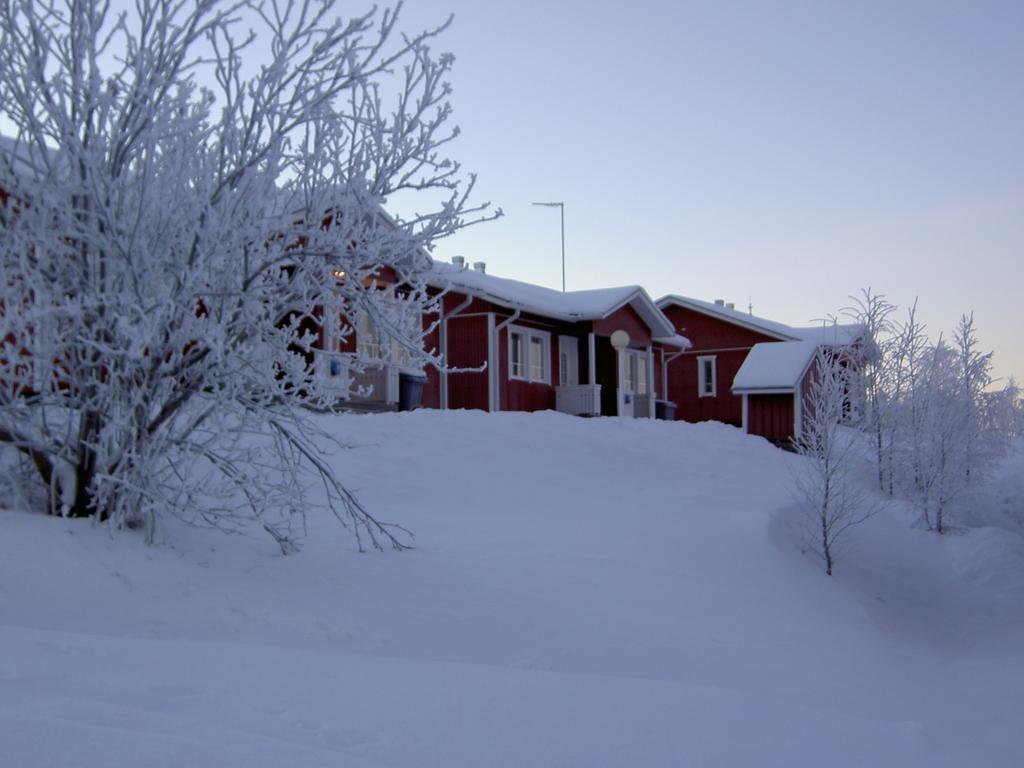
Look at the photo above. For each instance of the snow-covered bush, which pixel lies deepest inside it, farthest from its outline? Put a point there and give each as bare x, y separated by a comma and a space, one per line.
189, 190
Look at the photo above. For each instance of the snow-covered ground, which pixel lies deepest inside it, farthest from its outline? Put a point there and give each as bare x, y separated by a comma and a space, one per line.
582, 593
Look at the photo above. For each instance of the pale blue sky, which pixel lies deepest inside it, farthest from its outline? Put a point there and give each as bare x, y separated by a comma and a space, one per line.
785, 153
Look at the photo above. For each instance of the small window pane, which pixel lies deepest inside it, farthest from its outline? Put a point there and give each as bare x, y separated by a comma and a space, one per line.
367, 338
709, 377
517, 355
641, 376
537, 359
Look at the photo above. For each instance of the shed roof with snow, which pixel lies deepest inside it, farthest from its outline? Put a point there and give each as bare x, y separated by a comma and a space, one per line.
774, 366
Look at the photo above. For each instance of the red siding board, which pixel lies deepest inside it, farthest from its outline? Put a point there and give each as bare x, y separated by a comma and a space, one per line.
431, 343
625, 319
708, 332
770, 416
516, 395
467, 348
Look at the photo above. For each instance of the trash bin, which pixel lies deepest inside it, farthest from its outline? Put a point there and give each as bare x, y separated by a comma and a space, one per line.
665, 410
410, 390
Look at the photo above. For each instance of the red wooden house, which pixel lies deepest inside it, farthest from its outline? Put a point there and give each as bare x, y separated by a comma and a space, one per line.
702, 380
512, 346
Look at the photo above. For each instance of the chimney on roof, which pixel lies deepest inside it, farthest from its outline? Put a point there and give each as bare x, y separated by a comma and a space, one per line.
730, 305
480, 266
719, 302
459, 261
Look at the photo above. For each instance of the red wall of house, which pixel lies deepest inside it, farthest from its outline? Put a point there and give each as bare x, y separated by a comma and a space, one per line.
683, 391
710, 336
523, 395
770, 416
625, 319
706, 332
467, 348
432, 389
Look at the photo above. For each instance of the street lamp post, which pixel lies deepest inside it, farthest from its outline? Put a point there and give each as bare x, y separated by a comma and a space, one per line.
561, 207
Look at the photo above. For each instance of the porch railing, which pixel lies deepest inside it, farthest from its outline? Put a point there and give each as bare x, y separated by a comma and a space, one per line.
578, 399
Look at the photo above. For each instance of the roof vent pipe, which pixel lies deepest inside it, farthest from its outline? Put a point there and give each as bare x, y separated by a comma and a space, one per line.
459, 261
480, 266
719, 302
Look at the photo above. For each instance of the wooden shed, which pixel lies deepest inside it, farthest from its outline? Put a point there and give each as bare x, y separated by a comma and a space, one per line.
772, 384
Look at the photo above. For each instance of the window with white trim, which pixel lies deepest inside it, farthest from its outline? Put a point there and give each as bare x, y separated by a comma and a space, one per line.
529, 355
707, 385
635, 373
368, 341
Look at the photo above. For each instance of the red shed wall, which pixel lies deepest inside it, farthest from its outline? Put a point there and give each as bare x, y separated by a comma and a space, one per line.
770, 416
806, 410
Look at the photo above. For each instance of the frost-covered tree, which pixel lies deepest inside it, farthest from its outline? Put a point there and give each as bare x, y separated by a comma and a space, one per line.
944, 423
872, 311
974, 370
902, 370
946, 430
828, 494
189, 190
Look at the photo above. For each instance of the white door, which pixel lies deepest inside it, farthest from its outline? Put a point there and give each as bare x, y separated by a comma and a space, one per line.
568, 360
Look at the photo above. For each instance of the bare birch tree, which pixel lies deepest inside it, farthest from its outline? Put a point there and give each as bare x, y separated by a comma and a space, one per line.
872, 311
189, 189
830, 497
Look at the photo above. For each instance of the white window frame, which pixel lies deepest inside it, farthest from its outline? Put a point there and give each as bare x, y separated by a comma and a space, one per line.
635, 370
568, 360
702, 380
528, 334
369, 341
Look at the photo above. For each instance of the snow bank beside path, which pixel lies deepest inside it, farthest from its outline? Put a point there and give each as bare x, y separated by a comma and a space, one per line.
583, 592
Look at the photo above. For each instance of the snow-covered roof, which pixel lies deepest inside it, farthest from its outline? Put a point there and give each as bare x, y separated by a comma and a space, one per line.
731, 315
832, 334
837, 334
774, 366
571, 306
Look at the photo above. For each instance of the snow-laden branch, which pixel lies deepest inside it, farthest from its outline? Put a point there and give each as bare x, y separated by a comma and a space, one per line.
185, 184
